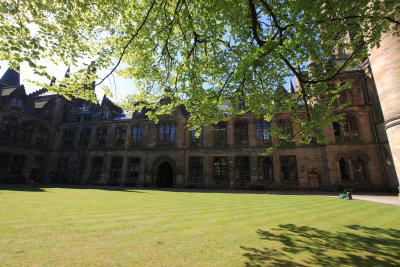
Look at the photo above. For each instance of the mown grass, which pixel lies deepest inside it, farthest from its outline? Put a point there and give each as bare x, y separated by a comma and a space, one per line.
95, 227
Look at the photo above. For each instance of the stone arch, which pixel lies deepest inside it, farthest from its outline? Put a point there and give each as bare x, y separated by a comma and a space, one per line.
156, 168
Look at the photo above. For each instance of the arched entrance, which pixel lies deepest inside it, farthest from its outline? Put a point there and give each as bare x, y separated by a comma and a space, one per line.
165, 175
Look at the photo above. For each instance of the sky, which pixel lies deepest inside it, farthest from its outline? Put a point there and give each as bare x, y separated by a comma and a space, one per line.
119, 86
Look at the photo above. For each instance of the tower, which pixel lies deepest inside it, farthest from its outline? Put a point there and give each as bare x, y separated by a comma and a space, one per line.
385, 65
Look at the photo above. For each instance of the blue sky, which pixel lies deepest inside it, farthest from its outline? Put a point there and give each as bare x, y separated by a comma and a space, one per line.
119, 86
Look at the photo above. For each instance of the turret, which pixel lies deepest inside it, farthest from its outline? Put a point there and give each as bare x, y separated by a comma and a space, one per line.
385, 64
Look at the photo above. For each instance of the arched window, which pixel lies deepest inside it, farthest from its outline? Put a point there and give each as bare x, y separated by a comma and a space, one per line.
241, 132
166, 133
347, 130
220, 133
262, 128
355, 168
359, 169
137, 135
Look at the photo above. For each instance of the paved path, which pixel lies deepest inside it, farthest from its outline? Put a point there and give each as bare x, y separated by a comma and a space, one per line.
383, 199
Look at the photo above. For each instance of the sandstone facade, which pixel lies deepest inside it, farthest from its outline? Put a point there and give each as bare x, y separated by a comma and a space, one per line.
42, 135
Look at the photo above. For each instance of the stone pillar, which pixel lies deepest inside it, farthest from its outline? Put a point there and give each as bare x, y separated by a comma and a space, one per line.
385, 65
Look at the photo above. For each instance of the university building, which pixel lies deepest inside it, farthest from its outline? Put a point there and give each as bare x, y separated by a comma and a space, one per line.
43, 135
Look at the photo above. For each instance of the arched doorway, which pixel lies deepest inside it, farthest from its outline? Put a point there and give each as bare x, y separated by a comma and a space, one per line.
165, 175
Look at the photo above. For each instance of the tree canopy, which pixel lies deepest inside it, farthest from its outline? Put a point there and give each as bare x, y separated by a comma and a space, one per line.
202, 53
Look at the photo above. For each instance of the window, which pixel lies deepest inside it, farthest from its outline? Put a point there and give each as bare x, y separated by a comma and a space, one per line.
24, 132
265, 169
16, 164
343, 98
101, 135
242, 169
133, 171
84, 137
38, 158
97, 167
348, 130
359, 169
166, 133
16, 102
288, 168
4, 162
196, 169
62, 169
195, 140
116, 168
286, 126
220, 167
139, 114
344, 169
68, 138
105, 114
353, 168
262, 128
137, 135
42, 136
220, 133
241, 132
8, 127
120, 136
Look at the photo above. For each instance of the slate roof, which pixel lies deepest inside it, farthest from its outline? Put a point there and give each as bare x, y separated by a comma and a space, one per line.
11, 78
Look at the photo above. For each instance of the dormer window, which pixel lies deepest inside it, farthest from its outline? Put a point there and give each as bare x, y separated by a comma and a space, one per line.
195, 140
139, 114
16, 102
105, 114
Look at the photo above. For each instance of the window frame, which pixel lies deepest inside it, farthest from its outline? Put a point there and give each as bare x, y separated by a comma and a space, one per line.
288, 166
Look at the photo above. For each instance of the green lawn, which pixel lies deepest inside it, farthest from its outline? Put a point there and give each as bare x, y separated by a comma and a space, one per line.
98, 227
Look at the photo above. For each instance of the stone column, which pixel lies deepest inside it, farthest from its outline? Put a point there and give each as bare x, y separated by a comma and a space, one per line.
385, 65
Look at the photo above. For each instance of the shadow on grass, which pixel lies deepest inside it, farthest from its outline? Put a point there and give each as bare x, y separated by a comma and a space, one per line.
28, 188
361, 246
43, 187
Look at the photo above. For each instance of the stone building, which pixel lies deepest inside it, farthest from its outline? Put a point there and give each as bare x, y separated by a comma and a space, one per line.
43, 135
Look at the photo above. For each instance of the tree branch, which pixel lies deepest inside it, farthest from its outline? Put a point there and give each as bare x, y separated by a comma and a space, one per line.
129, 42
254, 23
